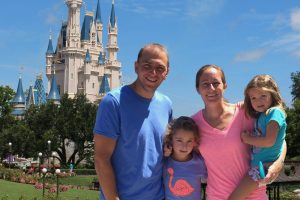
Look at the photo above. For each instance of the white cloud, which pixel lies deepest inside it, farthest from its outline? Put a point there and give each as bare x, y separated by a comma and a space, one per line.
196, 8
252, 55
296, 53
295, 19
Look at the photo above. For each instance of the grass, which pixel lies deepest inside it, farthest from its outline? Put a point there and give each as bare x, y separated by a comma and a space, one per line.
13, 191
82, 180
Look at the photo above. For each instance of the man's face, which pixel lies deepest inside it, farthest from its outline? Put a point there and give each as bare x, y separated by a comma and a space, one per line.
151, 68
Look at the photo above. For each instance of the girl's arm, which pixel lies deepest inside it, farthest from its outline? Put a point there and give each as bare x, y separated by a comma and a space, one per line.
267, 141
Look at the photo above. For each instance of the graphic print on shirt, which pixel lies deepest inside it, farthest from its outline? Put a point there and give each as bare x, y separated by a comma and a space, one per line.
181, 187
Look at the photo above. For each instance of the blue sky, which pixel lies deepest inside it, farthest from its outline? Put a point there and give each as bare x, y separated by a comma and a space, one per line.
245, 38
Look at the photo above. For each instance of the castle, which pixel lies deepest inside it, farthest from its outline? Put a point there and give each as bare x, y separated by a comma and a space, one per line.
80, 63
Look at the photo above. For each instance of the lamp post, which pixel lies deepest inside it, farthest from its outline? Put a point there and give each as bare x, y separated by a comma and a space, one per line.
57, 172
9, 156
53, 156
48, 154
44, 170
40, 157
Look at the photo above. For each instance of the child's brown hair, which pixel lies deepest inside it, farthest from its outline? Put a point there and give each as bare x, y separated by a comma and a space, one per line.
182, 123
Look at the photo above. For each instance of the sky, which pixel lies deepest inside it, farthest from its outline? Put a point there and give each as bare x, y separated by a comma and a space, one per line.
245, 38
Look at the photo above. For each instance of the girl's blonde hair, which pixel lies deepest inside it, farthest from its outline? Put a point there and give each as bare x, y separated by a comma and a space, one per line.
266, 83
182, 123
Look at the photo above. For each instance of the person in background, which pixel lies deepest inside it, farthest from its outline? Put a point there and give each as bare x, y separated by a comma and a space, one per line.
221, 123
184, 168
129, 130
264, 103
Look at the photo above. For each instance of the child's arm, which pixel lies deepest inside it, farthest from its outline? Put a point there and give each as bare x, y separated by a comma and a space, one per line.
267, 141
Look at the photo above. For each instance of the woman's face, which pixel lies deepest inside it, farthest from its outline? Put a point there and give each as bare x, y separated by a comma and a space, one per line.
211, 87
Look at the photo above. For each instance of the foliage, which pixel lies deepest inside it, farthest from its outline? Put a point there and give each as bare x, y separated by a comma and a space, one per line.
295, 76
6, 95
293, 129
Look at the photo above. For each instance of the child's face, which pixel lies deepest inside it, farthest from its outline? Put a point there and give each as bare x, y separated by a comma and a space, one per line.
183, 143
261, 100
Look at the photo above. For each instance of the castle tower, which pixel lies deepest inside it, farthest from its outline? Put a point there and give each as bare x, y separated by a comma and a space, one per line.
73, 30
54, 93
18, 102
99, 26
49, 58
113, 65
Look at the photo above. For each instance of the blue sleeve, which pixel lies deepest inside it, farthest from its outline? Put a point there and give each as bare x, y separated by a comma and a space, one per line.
277, 115
108, 118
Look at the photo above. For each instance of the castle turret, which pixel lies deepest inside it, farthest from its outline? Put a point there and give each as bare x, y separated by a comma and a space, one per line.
113, 65
99, 25
18, 102
39, 91
54, 92
49, 57
73, 28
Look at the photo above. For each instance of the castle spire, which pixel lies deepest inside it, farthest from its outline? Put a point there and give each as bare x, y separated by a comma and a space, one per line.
54, 93
20, 97
104, 87
112, 15
98, 13
87, 56
50, 46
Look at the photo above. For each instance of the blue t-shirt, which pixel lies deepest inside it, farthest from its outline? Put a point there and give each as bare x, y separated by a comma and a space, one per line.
269, 154
138, 126
182, 180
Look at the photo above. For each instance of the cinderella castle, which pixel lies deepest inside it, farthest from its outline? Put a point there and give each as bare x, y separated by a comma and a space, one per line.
80, 64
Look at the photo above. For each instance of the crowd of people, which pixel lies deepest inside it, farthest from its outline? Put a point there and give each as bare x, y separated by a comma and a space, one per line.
142, 152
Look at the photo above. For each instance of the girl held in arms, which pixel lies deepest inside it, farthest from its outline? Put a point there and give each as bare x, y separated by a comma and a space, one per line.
263, 102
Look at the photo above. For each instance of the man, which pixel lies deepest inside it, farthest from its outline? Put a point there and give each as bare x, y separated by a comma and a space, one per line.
129, 129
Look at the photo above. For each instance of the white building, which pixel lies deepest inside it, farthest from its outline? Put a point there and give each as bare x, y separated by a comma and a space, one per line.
81, 63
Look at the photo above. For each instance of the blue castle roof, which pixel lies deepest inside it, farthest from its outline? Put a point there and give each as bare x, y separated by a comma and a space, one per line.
98, 13
87, 56
112, 16
101, 58
86, 27
53, 94
104, 87
20, 97
50, 47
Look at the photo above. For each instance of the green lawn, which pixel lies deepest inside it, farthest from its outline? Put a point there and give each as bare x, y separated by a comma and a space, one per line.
80, 180
13, 191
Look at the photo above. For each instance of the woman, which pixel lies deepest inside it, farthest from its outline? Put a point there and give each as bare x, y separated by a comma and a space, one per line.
220, 125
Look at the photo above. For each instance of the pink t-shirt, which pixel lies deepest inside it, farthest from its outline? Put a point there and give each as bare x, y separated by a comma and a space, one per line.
227, 159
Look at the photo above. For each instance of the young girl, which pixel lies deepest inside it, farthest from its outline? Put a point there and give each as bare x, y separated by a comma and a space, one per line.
184, 168
263, 102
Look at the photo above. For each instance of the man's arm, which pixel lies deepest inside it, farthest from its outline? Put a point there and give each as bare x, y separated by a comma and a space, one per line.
104, 148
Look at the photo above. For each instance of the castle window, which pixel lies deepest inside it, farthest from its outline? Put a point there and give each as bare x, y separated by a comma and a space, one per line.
71, 75
93, 85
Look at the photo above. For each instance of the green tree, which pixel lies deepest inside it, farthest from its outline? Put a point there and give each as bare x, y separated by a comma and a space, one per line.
295, 76
293, 118
21, 137
6, 95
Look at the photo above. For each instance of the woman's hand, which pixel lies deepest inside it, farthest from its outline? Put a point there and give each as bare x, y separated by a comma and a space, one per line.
245, 136
275, 168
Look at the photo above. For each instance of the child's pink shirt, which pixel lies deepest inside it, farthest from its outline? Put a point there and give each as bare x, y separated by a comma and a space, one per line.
227, 159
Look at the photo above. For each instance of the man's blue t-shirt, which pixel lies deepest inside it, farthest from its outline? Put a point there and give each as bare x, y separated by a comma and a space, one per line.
138, 126
269, 154
182, 180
